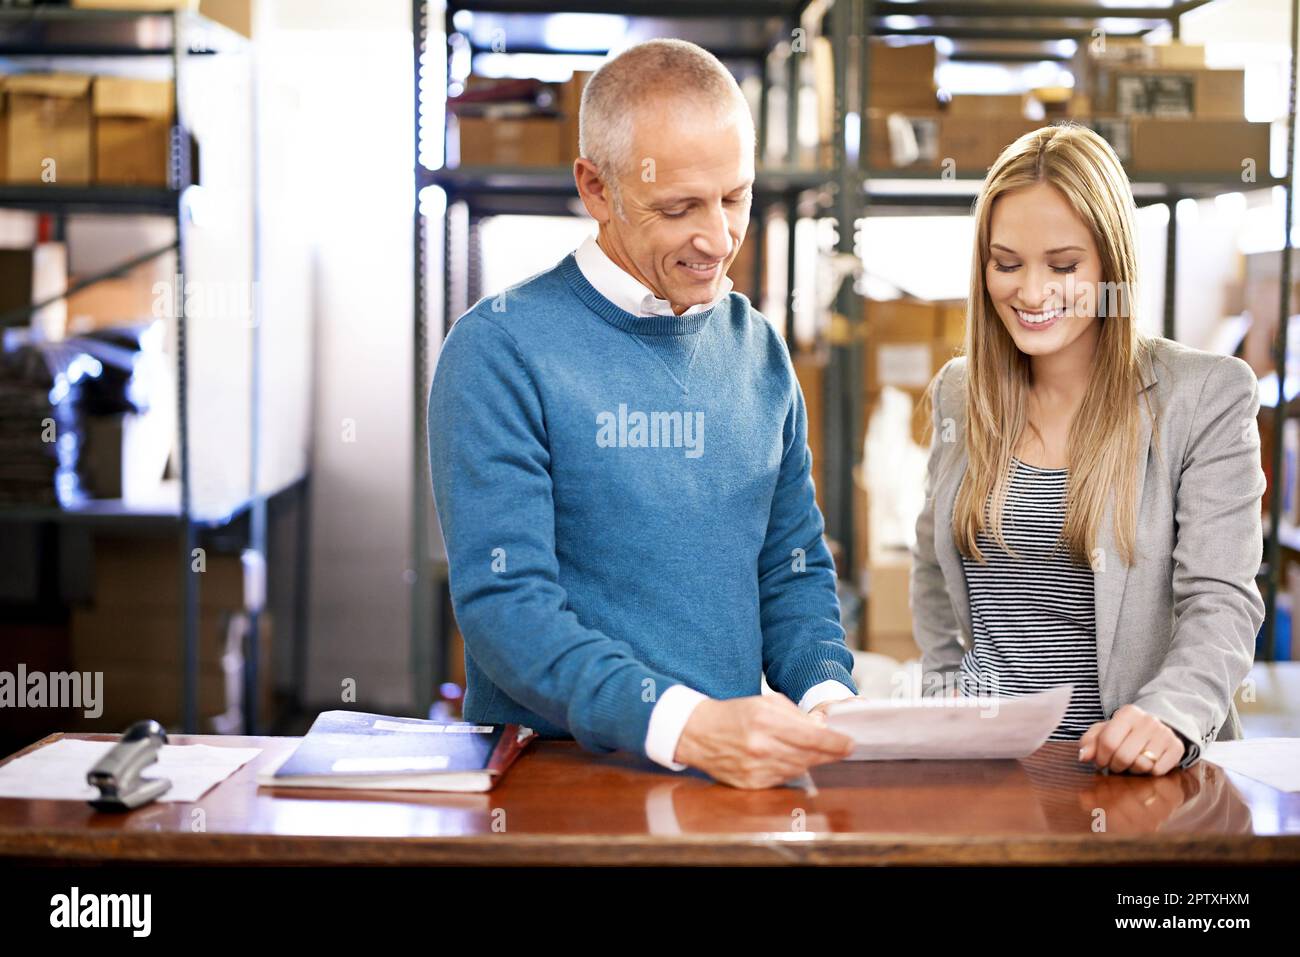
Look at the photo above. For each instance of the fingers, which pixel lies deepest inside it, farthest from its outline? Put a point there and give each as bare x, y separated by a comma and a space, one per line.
1112, 736
1088, 742
1132, 740
1169, 760
1129, 748
807, 734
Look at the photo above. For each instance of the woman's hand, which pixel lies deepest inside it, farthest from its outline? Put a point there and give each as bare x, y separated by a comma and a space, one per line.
1132, 740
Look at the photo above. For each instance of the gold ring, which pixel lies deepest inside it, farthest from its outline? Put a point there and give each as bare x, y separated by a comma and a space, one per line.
1149, 756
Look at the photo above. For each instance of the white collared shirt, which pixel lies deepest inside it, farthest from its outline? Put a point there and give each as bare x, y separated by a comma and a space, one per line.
626, 292
674, 708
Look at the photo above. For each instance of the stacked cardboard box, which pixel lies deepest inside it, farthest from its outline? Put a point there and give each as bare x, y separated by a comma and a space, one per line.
742, 268
902, 107
518, 122
902, 140
887, 625
907, 342
902, 77
4, 130
570, 101
50, 128
132, 131
1164, 111
74, 129
132, 631
810, 369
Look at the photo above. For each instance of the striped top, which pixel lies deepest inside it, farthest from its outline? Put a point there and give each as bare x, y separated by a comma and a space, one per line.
1032, 617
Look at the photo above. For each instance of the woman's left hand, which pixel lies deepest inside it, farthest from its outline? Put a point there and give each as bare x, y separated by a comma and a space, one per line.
1132, 740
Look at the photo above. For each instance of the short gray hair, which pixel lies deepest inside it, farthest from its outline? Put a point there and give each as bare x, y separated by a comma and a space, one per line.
661, 68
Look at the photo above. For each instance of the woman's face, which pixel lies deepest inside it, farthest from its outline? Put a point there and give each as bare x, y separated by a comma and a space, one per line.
1043, 271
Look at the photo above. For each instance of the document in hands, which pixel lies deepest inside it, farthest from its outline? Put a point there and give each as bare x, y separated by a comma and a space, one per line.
948, 728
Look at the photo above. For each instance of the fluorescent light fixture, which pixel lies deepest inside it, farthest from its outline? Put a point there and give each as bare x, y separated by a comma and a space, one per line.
584, 31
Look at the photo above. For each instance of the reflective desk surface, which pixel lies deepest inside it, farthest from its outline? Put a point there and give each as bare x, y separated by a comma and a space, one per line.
562, 805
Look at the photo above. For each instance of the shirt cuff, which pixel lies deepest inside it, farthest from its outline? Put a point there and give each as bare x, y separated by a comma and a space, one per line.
667, 721
829, 690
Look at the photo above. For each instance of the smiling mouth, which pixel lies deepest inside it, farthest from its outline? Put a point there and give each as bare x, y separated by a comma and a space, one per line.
701, 269
1038, 318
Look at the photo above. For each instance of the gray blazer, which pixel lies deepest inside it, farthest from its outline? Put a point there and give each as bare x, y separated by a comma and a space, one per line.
1176, 631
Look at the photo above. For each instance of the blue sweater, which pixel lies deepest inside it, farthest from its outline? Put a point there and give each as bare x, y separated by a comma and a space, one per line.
627, 504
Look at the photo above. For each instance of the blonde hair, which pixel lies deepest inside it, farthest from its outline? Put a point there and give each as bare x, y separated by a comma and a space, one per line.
1103, 437
648, 72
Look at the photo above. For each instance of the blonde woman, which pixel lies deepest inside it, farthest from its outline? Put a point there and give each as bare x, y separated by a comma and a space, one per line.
1092, 510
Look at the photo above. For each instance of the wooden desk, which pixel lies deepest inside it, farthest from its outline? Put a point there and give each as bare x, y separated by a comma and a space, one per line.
561, 805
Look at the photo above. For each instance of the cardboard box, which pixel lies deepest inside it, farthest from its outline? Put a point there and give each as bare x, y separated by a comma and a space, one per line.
1194, 145
899, 645
4, 131
908, 365
132, 629
570, 103
1133, 51
861, 527
238, 15
950, 320
810, 370
532, 141
49, 128
975, 142
122, 300
133, 120
889, 613
1054, 102
902, 140
149, 639
906, 64
903, 99
898, 320
902, 77
1214, 94
982, 104
908, 341
32, 275
1115, 130
144, 574
138, 687
742, 269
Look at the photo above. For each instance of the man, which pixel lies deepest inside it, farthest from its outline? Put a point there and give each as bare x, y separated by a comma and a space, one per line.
617, 577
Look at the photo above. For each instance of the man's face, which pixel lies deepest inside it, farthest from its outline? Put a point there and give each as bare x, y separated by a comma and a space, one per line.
686, 199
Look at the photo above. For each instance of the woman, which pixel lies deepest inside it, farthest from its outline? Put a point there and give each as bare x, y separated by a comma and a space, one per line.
1092, 510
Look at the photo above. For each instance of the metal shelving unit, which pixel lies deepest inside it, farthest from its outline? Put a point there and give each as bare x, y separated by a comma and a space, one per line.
45, 37
981, 26
982, 31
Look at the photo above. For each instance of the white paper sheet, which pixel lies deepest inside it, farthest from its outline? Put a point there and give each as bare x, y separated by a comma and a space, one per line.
1274, 761
949, 728
58, 770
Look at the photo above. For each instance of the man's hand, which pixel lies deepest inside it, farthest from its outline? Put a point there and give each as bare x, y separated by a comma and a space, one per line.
821, 708
758, 742
1132, 740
